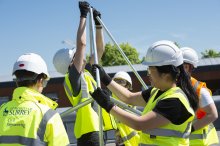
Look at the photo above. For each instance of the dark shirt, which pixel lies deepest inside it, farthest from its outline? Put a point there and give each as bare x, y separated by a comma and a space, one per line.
74, 77
172, 109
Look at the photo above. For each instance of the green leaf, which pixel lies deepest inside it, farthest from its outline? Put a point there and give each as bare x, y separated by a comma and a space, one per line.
113, 57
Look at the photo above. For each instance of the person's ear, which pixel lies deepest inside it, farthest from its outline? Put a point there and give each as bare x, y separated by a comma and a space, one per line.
40, 82
166, 76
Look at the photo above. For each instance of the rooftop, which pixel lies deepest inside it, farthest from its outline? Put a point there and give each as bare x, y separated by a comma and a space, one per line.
126, 68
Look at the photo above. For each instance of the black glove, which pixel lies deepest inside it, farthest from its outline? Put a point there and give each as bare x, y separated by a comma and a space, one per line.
104, 77
102, 98
95, 14
84, 8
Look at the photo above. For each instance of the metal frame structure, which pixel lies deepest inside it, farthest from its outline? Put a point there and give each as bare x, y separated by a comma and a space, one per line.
93, 50
122, 53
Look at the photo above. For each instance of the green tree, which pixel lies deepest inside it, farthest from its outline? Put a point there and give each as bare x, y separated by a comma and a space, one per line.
210, 53
112, 56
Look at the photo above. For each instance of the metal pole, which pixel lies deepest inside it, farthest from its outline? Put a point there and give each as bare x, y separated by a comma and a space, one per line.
123, 54
101, 143
125, 106
89, 100
90, 36
71, 110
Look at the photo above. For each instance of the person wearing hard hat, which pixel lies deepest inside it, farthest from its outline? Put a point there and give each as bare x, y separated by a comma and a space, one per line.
203, 131
29, 118
78, 81
124, 135
169, 104
123, 79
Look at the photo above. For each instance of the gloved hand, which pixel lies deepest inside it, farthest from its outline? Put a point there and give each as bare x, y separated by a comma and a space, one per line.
104, 77
95, 14
84, 8
102, 98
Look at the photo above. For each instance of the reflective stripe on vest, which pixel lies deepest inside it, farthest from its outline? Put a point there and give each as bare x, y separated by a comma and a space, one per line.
141, 144
195, 86
203, 135
31, 141
85, 92
168, 132
67, 89
129, 136
42, 128
21, 140
84, 87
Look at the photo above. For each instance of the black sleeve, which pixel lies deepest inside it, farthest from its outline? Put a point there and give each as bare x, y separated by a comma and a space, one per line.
146, 94
89, 68
173, 110
74, 77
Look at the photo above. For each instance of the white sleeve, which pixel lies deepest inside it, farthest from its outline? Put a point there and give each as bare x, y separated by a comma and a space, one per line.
205, 98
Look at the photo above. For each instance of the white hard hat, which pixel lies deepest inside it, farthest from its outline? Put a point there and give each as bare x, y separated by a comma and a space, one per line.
123, 75
62, 59
163, 53
190, 56
31, 62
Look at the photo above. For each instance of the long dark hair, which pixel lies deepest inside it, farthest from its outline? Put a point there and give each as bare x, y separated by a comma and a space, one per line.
183, 81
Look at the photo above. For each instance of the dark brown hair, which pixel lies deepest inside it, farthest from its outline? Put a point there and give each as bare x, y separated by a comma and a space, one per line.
183, 81
27, 78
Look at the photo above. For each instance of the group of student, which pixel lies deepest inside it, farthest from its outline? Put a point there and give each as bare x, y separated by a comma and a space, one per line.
178, 109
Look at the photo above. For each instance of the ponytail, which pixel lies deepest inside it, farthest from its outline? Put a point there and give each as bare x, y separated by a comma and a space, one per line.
184, 82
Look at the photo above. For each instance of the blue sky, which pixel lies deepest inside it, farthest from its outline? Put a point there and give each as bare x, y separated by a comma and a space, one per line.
40, 26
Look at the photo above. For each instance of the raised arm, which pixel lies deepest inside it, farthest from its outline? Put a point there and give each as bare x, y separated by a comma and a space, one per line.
99, 37
78, 59
77, 64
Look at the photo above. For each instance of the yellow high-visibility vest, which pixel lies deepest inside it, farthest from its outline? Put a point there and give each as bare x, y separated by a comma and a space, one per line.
29, 119
206, 135
129, 136
170, 134
86, 117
